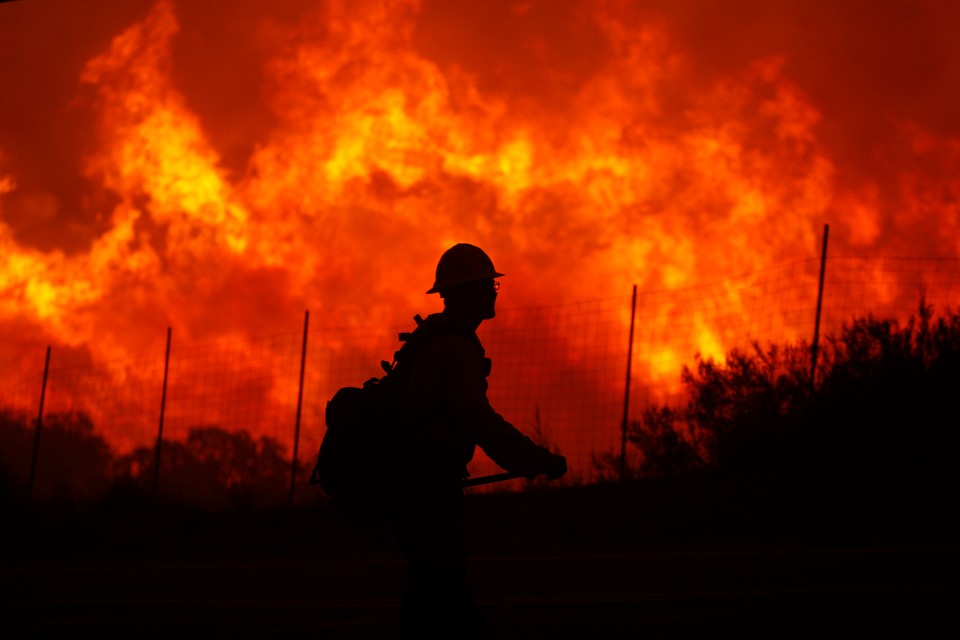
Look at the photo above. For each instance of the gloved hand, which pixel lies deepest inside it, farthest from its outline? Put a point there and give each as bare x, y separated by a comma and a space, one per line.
556, 466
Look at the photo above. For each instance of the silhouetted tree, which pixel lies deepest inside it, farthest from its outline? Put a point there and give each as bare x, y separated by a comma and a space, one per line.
214, 468
73, 462
16, 447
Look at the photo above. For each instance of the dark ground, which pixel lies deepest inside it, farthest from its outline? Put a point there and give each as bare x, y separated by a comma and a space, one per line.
672, 560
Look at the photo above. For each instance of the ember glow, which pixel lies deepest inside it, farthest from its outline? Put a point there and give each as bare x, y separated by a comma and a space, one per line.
218, 167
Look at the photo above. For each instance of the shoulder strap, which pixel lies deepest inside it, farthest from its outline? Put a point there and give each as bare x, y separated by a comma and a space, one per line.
413, 341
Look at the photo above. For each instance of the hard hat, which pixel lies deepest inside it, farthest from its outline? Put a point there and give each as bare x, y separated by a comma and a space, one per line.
463, 263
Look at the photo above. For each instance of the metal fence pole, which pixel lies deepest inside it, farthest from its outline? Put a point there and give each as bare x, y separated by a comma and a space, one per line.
815, 348
163, 408
296, 433
36, 436
626, 391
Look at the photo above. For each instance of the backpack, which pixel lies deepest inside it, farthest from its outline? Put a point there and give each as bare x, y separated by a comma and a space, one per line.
361, 457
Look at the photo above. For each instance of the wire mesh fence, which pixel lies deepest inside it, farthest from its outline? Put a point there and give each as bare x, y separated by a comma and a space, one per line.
559, 374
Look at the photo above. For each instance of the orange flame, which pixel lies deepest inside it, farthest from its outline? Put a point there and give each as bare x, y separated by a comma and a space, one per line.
627, 170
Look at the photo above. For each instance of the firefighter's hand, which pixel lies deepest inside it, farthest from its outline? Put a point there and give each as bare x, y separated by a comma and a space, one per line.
556, 466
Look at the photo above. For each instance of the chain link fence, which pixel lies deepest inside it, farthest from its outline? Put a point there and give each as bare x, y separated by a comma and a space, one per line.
559, 374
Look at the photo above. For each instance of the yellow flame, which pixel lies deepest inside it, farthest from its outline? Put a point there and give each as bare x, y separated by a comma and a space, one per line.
380, 158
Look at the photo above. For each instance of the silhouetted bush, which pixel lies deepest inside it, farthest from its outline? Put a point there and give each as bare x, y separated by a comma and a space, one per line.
879, 428
666, 451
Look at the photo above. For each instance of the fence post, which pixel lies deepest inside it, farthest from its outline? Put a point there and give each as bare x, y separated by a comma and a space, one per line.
626, 392
296, 433
163, 408
815, 348
36, 436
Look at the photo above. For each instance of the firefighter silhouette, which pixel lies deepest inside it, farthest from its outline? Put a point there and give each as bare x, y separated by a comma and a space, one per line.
448, 393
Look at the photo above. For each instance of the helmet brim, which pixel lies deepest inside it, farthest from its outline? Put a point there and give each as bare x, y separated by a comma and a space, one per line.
436, 286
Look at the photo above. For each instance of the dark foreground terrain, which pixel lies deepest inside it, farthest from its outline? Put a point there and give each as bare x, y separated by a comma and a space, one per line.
638, 561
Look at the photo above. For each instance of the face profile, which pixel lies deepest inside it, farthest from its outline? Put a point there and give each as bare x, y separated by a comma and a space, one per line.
475, 300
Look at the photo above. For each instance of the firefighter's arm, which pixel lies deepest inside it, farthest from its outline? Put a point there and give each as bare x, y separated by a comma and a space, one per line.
499, 439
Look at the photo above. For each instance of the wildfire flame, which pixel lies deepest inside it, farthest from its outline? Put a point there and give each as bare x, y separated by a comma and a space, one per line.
586, 146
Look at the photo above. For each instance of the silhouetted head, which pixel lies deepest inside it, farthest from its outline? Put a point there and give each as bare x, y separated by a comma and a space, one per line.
465, 281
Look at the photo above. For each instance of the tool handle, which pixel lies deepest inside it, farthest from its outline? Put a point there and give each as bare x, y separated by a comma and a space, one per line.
497, 477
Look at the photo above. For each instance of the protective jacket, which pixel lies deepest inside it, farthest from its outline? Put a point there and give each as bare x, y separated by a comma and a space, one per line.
448, 393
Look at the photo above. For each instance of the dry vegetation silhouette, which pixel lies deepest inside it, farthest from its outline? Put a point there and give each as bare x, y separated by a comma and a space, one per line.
871, 443
872, 440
